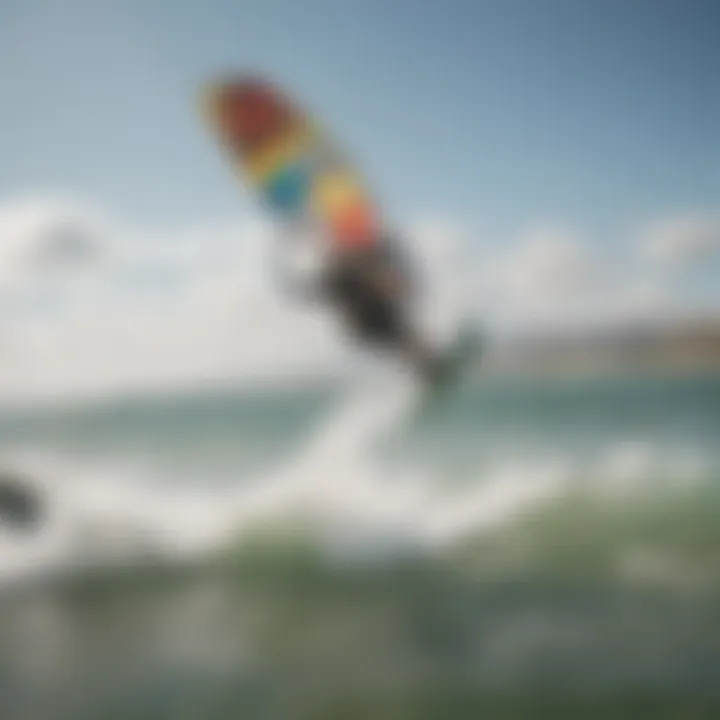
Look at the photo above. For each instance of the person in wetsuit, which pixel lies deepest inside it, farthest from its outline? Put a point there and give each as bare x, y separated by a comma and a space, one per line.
362, 275
371, 287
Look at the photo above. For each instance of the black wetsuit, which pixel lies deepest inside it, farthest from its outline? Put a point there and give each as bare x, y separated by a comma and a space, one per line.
370, 289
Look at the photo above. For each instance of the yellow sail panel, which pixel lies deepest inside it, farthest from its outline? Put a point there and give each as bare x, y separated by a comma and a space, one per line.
263, 164
334, 191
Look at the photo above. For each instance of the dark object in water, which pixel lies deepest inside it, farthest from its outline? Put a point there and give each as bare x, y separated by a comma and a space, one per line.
20, 504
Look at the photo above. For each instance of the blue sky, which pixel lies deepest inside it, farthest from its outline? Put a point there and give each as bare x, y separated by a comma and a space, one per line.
573, 142
494, 113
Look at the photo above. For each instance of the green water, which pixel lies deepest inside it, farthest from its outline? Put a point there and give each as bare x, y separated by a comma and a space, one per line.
601, 602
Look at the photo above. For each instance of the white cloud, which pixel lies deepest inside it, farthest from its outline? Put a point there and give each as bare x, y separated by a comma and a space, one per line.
150, 308
548, 264
677, 242
553, 277
42, 239
158, 309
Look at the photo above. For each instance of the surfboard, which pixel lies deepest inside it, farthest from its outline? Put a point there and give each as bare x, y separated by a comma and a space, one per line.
289, 161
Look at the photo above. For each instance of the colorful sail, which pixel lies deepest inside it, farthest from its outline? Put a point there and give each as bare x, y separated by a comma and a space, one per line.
289, 161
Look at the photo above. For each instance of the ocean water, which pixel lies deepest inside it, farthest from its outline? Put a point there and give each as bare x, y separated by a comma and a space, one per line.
534, 547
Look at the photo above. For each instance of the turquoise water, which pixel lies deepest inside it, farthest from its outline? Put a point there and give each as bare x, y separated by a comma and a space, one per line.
535, 548
501, 417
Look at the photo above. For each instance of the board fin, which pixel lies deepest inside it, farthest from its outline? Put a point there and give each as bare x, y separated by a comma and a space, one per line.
452, 368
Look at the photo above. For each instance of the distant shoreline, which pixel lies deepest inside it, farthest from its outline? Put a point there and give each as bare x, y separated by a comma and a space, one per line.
672, 351
680, 348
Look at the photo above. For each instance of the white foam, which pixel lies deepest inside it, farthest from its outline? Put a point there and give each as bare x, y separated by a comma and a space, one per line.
336, 483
